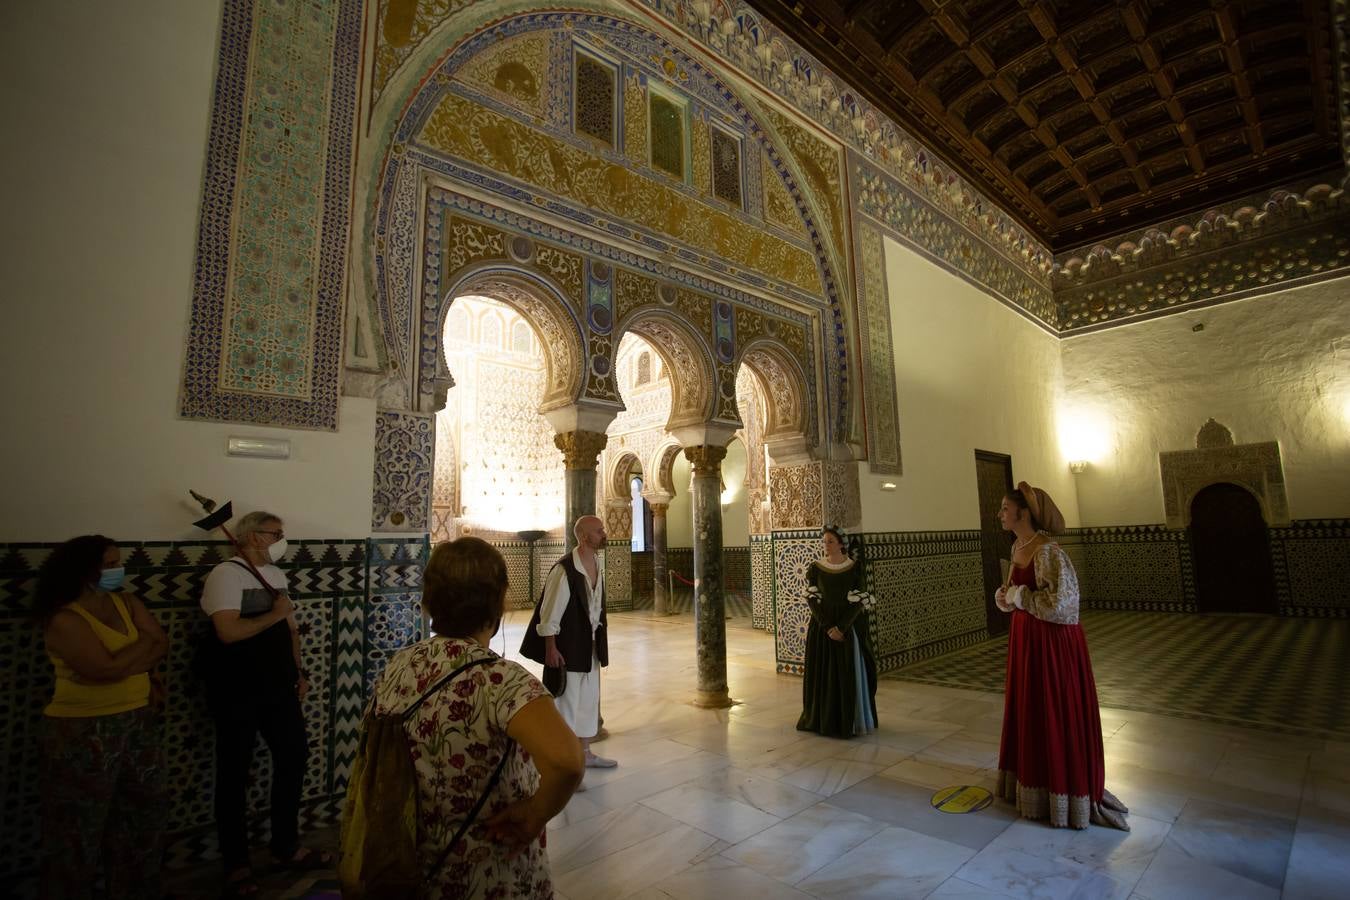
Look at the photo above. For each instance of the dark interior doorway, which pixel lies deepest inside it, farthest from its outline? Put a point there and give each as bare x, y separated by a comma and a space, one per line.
993, 477
1231, 550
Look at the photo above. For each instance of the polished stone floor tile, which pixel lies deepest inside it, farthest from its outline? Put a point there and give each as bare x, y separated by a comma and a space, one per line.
830, 776
773, 797
574, 846
1172, 875
895, 864
804, 843
719, 815
1319, 862
1244, 842
639, 866
736, 804
910, 806
723, 878
1017, 874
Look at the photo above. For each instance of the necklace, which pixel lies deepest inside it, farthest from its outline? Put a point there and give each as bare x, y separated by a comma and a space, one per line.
1018, 545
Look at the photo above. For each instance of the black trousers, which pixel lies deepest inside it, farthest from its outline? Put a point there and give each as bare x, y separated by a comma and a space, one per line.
276, 715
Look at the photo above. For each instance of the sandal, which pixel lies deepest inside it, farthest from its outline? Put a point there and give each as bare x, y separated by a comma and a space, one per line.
312, 861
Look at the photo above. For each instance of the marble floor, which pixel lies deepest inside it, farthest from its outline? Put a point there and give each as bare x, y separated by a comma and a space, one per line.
736, 804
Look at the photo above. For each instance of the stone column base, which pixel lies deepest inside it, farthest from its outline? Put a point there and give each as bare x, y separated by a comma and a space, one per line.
712, 699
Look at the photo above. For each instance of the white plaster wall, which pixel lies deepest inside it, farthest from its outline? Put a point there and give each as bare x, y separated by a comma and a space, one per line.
106, 108
1273, 368
680, 514
735, 512
970, 374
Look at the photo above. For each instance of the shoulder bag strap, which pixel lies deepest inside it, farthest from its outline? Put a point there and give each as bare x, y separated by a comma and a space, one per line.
249, 567
492, 782
477, 808
407, 714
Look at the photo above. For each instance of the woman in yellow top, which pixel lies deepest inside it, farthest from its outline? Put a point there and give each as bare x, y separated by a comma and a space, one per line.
102, 765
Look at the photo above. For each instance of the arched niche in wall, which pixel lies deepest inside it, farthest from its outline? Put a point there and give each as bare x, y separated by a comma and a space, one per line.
1217, 460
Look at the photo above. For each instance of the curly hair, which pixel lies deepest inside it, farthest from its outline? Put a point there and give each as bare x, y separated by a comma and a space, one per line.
67, 572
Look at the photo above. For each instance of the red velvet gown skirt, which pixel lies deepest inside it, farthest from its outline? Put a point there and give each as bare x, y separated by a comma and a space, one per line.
1051, 763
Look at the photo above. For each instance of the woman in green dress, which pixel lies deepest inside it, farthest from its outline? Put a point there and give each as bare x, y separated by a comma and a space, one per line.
839, 692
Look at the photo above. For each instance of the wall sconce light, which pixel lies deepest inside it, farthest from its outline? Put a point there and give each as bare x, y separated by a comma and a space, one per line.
1078, 466
888, 485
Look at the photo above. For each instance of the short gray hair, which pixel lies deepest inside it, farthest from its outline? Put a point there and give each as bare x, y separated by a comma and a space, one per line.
253, 522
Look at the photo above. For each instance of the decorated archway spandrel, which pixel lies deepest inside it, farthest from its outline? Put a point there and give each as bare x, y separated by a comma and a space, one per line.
461, 128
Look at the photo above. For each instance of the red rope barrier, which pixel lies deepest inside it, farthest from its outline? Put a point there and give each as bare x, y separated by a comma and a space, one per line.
680, 577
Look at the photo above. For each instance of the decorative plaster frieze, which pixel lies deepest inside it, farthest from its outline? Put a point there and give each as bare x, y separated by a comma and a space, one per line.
1256, 467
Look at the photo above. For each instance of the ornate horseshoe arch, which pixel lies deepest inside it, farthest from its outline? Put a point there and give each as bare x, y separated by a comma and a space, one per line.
540, 303
662, 466
686, 357
784, 386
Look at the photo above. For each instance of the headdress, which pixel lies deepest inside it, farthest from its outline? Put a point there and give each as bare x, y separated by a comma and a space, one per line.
1043, 509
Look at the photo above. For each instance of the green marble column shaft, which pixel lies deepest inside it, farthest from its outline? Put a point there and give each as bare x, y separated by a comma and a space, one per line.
660, 581
709, 597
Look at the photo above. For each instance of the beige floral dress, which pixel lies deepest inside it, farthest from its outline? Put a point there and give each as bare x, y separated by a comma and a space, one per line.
458, 736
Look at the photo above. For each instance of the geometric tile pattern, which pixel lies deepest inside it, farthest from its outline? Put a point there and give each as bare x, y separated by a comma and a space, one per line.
1312, 567
1145, 568
761, 581
265, 330
619, 576
328, 581
930, 593
1277, 674
928, 584
793, 553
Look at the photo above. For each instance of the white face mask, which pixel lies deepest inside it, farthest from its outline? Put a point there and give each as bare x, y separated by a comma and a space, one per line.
277, 551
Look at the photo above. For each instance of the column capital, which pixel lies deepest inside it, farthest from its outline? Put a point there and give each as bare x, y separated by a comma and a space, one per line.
658, 509
705, 459
580, 449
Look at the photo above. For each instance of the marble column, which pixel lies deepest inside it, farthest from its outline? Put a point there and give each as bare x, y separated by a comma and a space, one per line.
709, 597
660, 581
581, 453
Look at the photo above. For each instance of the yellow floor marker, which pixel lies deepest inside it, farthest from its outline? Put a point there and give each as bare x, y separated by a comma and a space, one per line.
963, 798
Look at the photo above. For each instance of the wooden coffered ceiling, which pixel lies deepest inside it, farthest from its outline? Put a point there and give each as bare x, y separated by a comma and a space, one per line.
1085, 118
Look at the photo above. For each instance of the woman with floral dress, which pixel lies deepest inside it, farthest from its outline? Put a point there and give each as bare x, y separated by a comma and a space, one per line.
460, 733
839, 691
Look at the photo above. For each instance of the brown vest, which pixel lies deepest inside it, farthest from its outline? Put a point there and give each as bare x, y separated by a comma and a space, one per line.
574, 631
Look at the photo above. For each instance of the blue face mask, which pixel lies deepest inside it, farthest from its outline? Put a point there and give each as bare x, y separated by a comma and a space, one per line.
112, 579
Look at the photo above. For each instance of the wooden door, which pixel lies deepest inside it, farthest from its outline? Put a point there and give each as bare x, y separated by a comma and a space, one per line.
993, 477
1230, 547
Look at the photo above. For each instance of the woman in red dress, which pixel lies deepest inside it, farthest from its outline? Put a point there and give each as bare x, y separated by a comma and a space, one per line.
1050, 760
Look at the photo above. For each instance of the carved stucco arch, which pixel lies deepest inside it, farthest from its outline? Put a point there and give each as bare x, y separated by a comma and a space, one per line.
662, 466
784, 385
686, 357
397, 165
1256, 468
616, 479
540, 303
